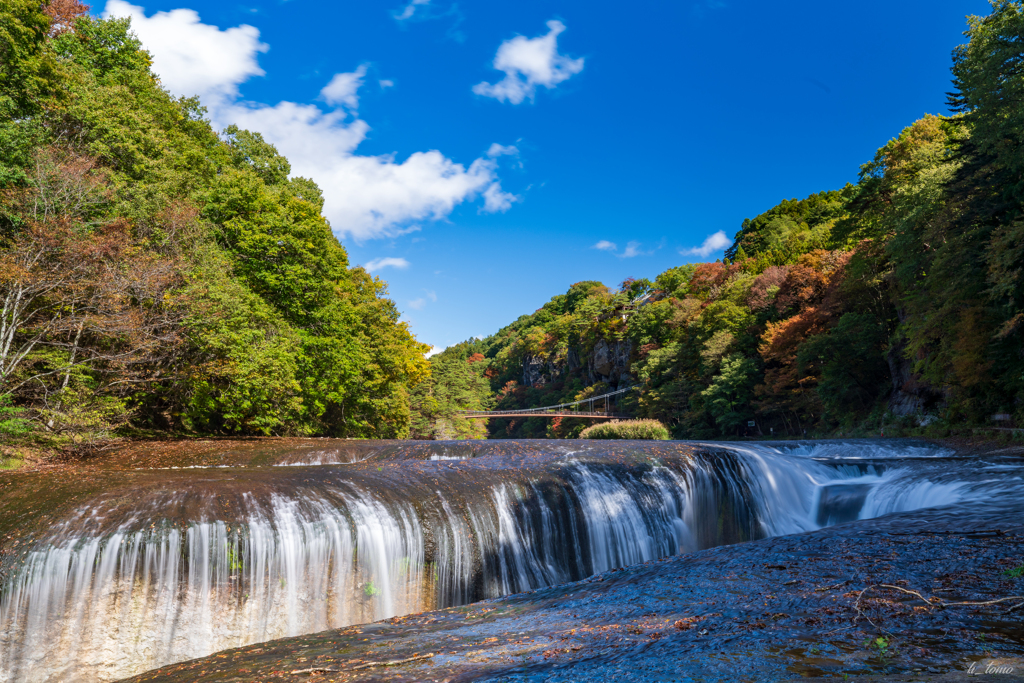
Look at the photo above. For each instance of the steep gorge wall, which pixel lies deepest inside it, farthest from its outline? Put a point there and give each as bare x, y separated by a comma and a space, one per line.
608, 361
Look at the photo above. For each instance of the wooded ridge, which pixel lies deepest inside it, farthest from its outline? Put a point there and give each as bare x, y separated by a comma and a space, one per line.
157, 274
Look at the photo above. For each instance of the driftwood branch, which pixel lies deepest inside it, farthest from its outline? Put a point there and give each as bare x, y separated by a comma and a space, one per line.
933, 601
364, 665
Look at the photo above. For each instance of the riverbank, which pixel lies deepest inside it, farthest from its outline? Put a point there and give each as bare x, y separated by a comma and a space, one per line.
785, 608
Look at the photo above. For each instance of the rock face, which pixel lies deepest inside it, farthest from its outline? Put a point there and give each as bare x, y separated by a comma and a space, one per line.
607, 362
536, 371
602, 359
908, 395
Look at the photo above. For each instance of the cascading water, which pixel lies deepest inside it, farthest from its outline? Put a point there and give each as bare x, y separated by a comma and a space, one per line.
97, 600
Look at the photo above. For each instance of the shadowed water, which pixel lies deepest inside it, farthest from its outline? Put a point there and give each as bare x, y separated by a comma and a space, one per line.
151, 566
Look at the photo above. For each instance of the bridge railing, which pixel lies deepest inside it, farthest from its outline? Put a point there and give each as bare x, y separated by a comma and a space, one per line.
556, 408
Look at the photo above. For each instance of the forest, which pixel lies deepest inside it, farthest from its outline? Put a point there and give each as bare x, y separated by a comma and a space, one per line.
158, 275
894, 303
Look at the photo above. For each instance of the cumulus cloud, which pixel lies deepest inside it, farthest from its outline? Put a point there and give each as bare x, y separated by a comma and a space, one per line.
605, 245
366, 197
193, 58
434, 350
344, 88
528, 63
386, 262
715, 242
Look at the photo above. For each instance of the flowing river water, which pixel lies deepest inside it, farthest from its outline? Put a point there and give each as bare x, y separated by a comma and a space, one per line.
160, 560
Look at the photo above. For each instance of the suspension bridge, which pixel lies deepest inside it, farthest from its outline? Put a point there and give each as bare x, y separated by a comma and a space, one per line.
574, 409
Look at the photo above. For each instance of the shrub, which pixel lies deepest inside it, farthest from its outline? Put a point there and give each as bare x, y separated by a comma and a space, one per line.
12, 418
629, 429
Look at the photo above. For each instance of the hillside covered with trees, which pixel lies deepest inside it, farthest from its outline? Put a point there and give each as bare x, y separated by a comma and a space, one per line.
895, 300
155, 273
158, 274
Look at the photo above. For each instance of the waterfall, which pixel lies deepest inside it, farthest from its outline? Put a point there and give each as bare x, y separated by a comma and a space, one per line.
102, 606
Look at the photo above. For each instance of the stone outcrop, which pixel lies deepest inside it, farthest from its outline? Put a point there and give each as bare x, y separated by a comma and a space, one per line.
608, 362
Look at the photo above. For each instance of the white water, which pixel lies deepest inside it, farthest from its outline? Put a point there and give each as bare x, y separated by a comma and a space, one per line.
89, 608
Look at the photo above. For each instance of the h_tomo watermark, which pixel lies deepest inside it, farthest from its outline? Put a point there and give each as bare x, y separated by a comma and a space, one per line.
989, 668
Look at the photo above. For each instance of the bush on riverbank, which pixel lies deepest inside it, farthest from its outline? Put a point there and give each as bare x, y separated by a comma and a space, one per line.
628, 429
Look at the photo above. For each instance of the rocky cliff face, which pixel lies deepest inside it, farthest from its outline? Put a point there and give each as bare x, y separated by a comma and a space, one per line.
909, 396
607, 362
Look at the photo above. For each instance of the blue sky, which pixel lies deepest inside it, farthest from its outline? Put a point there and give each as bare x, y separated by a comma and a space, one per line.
479, 192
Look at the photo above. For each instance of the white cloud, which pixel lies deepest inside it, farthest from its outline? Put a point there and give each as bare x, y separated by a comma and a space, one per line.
193, 58
386, 83
497, 150
343, 89
409, 10
386, 262
419, 303
434, 350
632, 249
366, 197
713, 243
527, 63
496, 200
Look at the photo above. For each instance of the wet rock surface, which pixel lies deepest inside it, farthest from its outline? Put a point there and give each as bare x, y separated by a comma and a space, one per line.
786, 608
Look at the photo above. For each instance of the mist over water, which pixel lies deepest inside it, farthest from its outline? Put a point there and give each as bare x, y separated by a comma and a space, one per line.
208, 559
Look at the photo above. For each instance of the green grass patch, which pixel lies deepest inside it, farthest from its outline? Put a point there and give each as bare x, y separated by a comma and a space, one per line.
627, 429
10, 463
1015, 573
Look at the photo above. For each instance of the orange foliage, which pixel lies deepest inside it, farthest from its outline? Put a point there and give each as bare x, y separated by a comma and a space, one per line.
758, 298
510, 387
811, 287
806, 282
708, 278
475, 358
63, 13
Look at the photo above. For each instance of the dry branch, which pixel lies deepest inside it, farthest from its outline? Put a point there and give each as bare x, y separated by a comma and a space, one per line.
364, 665
931, 602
